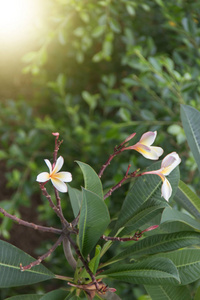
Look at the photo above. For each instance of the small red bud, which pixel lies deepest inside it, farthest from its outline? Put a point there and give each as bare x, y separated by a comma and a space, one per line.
55, 133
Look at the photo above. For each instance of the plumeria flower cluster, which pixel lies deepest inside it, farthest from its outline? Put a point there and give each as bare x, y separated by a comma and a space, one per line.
169, 163
144, 147
57, 178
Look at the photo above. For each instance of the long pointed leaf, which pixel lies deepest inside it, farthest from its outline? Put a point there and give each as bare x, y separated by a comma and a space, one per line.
143, 215
191, 123
11, 275
168, 292
145, 188
159, 243
187, 262
188, 199
94, 219
175, 221
75, 199
148, 271
92, 181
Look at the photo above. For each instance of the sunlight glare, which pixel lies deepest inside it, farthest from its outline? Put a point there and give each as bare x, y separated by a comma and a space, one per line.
16, 18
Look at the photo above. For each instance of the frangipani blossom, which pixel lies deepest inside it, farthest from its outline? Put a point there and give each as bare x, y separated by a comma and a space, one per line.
56, 178
169, 163
144, 146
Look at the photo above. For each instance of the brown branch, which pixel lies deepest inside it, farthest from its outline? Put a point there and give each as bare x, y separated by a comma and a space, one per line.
119, 184
41, 258
85, 262
138, 234
114, 239
104, 166
53, 206
55, 154
57, 146
30, 225
117, 150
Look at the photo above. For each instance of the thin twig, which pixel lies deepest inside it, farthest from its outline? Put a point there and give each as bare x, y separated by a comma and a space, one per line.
119, 184
55, 154
131, 238
30, 225
85, 263
41, 258
138, 234
117, 150
104, 166
53, 206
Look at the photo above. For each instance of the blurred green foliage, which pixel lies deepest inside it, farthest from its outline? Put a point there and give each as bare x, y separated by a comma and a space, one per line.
99, 71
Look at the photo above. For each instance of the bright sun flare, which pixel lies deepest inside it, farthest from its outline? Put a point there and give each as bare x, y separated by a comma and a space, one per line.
16, 16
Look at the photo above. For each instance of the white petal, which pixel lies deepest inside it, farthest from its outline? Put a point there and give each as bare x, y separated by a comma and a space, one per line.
63, 176
43, 177
147, 152
48, 165
166, 189
59, 185
170, 162
148, 138
58, 165
158, 150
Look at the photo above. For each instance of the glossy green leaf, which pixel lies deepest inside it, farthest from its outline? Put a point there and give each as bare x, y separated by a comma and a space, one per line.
25, 297
188, 199
187, 262
92, 181
56, 294
93, 264
159, 243
168, 292
75, 197
144, 214
145, 189
177, 221
11, 275
148, 271
94, 219
191, 119
197, 295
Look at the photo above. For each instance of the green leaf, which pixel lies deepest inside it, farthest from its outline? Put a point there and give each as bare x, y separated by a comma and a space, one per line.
188, 199
145, 189
197, 295
94, 219
187, 262
168, 292
148, 271
178, 221
25, 297
11, 275
159, 243
93, 264
191, 119
56, 294
143, 215
92, 181
75, 197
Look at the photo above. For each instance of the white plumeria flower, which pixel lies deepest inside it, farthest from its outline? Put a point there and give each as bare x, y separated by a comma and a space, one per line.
58, 179
144, 146
169, 163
